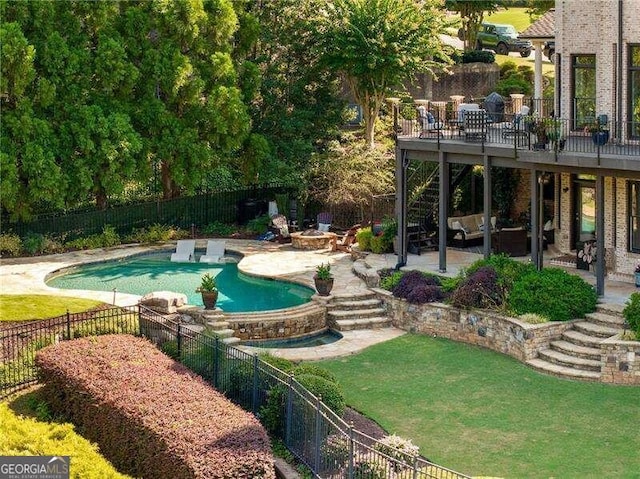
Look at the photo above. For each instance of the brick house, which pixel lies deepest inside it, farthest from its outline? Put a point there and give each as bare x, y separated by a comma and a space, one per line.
589, 155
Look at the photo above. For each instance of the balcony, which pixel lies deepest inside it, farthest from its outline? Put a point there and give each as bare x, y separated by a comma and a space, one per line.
597, 144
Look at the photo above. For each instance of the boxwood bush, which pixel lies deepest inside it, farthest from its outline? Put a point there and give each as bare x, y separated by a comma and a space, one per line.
631, 313
120, 390
553, 293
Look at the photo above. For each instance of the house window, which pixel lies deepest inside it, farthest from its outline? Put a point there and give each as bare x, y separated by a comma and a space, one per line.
634, 216
634, 90
583, 90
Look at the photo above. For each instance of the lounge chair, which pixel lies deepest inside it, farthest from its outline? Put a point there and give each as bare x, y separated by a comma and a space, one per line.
185, 251
348, 239
517, 127
324, 221
214, 253
280, 227
428, 123
475, 125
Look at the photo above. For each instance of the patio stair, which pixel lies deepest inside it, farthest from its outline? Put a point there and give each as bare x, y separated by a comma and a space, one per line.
362, 311
576, 355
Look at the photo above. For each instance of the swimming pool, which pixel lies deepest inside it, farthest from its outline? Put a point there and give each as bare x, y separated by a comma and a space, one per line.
143, 274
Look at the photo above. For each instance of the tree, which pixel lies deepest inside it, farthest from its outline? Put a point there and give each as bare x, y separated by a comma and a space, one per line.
376, 45
472, 13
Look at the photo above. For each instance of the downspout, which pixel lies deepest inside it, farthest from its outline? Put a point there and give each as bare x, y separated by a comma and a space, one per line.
619, 77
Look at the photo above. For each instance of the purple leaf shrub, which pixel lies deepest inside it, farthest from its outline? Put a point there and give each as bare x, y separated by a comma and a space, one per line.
411, 280
479, 290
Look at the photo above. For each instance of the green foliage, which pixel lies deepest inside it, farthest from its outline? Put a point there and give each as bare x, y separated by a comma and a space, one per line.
631, 313
282, 364
30, 436
207, 284
218, 228
533, 318
377, 44
553, 293
363, 238
478, 56
330, 392
259, 225
389, 282
450, 284
10, 244
515, 79
379, 244
308, 368
504, 190
472, 14
323, 271
508, 270
170, 348
156, 233
369, 470
108, 237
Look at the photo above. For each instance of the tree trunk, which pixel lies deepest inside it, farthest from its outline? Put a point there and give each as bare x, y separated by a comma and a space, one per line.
370, 128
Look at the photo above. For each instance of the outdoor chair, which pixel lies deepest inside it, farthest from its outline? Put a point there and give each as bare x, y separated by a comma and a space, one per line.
280, 227
214, 253
324, 221
517, 127
475, 125
428, 123
185, 251
463, 108
347, 240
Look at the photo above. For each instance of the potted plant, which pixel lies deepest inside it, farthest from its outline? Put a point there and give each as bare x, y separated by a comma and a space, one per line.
209, 291
637, 275
598, 131
323, 279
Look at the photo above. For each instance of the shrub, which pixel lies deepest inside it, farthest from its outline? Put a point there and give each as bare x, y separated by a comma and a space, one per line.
108, 237
363, 238
120, 389
390, 281
33, 243
478, 290
27, 436
156, 233
314, 370
478, 56
328, 391
507, 269
399, 449
412, 279
218, 229
553, 293
631, 313
450, 284
369, 470
259, 225
425, 294
379, 244
533, 318
282, 364
10, 244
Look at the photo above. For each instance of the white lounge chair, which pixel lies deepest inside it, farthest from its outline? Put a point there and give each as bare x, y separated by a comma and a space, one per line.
214, 253
185, 251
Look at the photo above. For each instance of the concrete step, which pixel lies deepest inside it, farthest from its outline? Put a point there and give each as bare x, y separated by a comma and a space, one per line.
606, 319
355, 304
563, 371
363, 323
297, 312
593, 329
610, 308
216, 325
562, 359
581, 339
355, 313
576, 350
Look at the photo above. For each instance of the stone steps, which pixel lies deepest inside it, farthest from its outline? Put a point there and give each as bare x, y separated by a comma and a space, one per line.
570, 361
597, 330
581, 339
575, 350
563, 371
606, 319
348, 312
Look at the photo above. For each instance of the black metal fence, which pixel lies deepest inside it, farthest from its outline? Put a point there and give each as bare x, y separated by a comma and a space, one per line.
233, 206
319, 438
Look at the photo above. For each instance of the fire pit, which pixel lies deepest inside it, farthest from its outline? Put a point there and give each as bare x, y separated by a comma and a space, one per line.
312, 239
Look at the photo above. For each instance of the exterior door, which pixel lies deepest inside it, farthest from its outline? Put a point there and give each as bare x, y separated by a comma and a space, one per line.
584, 228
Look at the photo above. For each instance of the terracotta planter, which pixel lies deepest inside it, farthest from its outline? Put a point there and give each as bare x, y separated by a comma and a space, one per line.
323, 286
209, 298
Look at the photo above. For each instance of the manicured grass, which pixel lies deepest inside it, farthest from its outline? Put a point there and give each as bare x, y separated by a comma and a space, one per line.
516, 16
483, 413
547, 67
23, 307
22, 433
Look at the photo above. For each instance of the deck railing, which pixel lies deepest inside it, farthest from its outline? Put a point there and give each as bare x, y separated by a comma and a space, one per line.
319, 438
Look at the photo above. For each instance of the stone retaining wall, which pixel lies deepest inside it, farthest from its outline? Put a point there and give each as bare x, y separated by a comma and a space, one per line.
484, 328
285, 325
620, 361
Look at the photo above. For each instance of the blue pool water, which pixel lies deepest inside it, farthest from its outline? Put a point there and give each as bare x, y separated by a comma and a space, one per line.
319, 339
143, 274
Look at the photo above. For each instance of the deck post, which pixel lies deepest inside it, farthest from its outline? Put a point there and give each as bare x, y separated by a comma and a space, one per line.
443, 209
600, 236
487, 206
401, 205
535, 213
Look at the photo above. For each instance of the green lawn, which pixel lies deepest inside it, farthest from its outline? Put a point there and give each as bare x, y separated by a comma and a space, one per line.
512, 16
22, 307
483, 413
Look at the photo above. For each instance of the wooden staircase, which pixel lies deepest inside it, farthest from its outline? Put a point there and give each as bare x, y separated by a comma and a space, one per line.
576, 355
362, 311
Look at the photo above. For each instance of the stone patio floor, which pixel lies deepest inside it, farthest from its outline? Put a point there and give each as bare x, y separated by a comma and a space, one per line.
260, 258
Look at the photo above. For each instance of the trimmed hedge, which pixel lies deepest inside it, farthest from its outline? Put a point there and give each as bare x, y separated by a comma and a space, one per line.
150, 415
553, 293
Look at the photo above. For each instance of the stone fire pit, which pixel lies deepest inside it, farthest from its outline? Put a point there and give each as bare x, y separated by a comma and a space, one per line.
312, 239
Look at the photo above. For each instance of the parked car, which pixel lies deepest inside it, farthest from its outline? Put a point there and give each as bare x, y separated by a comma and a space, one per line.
549, 50
502, 39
